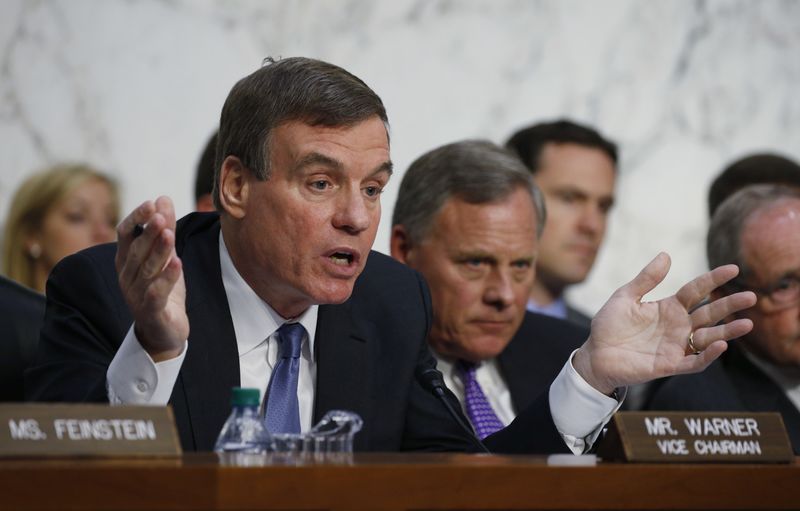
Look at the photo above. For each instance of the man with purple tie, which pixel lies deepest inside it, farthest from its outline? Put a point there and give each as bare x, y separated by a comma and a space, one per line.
468, 218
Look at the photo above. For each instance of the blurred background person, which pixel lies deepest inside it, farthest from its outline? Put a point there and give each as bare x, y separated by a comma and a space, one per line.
204, 177
750, 170
54, 213
575, 167
757, 228
21, 314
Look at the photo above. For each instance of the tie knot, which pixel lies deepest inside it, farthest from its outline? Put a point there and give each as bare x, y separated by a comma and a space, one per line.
467, 369
290, 337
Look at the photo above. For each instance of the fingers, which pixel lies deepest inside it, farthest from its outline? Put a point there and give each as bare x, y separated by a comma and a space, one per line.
647, 279
698, 288
697, 363
714, 312
125, 229
165, 207
703, 338
140, 259
158, 289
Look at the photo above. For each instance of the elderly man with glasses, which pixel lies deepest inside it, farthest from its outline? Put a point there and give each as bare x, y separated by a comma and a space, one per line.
757, 228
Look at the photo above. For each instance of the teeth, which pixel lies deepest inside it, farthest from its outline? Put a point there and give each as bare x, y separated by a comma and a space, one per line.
341, 259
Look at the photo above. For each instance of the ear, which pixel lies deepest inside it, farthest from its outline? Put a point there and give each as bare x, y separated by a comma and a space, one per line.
32, 246
401, 246
234, 186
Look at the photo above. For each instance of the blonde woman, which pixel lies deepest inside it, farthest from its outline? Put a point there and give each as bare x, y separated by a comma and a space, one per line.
57, 212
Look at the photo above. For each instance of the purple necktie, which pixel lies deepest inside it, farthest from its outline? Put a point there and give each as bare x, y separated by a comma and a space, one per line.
479, 410
282, 410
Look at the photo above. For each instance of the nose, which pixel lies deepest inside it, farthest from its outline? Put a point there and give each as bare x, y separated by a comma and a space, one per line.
353, 215
592, 220
499, 291
102, 231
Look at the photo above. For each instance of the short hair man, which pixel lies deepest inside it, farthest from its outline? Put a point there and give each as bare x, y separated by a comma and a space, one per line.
302, 158
204, 176
575, 167
757, 228
468, 217
750, 170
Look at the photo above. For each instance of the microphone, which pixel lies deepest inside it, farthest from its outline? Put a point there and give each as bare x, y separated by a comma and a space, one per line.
431, 380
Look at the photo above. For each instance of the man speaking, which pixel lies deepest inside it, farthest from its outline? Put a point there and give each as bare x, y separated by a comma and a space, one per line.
282, 286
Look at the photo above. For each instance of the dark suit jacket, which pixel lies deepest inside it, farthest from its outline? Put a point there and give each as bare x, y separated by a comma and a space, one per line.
536, 354
730, 384
578, 317
367, 351
21, 314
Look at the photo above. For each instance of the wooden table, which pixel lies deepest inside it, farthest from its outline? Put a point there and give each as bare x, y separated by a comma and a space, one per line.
390, 482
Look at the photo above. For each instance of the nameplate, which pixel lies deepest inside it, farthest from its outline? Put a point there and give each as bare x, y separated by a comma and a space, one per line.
60, 430
691, 437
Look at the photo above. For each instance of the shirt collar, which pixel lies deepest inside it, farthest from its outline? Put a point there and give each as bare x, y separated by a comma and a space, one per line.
556, 309
253, 318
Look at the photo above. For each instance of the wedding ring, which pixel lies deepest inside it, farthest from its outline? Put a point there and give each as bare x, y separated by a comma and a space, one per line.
692, 347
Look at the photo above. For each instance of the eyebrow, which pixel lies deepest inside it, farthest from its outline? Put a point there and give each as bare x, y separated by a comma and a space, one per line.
318, 158
321, 159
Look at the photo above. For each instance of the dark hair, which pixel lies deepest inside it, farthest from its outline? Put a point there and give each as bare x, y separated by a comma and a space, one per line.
529, 142
724, 240
291, 89
204, 177
749, 170
476, 171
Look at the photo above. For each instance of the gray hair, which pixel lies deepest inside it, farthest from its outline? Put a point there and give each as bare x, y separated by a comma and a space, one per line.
291, 89
723, 244
476, 171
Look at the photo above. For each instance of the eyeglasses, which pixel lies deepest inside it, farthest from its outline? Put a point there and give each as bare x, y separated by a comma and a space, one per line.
782, 294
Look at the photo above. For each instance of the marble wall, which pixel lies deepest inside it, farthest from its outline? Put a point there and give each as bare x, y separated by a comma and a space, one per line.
684, 86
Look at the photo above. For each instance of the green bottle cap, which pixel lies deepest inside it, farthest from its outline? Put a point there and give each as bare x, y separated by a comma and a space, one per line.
245, 397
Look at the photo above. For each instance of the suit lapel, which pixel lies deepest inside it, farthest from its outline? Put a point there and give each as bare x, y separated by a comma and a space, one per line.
760, 394
515, 365
343, 356
211, 367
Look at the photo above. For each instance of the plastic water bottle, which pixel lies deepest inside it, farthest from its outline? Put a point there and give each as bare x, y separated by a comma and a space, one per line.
244, 431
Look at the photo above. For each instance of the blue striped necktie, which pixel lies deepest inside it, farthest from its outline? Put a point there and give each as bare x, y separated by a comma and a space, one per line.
282, 410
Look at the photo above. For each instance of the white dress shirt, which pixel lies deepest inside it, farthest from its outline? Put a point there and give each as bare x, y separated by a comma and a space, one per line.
579, 410
133, 377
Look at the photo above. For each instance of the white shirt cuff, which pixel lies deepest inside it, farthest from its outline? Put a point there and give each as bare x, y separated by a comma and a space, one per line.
134, 379
579, 410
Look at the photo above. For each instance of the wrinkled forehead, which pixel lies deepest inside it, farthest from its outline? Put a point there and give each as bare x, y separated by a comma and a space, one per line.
770, 239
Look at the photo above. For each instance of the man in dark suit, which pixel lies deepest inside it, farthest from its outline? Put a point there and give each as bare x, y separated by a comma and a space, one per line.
282, 289
757, 228
21, 314
468, 218
575, 167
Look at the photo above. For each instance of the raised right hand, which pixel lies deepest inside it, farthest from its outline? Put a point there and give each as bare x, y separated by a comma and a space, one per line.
151, 278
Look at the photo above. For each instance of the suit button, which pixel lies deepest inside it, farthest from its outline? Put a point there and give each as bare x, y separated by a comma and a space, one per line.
142, 386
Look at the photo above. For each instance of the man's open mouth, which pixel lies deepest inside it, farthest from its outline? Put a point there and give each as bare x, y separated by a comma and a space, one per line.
342, 258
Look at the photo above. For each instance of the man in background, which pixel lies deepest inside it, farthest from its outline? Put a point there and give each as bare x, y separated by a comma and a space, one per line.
468, 217
750, 170
757, 228
575, 167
